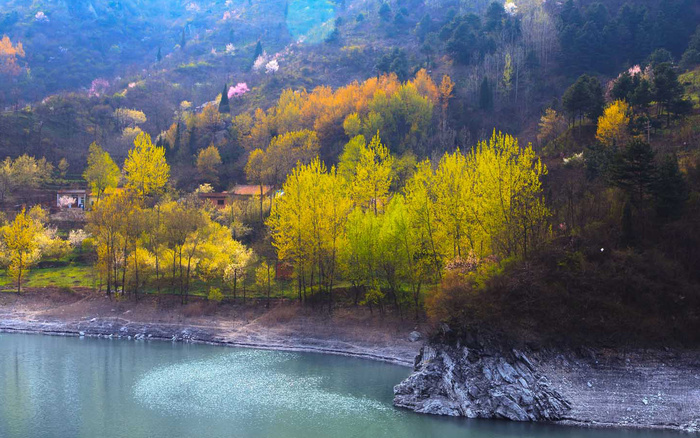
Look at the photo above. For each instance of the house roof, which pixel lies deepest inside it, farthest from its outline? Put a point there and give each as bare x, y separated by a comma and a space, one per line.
213, 195
72, 191
249, 190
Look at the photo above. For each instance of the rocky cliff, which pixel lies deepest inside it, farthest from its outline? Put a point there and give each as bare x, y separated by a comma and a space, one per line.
658, 389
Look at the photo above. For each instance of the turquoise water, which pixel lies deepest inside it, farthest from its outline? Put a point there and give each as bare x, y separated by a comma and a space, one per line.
71, 387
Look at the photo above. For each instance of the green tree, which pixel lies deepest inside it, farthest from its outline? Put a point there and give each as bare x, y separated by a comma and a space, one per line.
101, 172
634, 170
666, 88
224, 106
670, 190
584, 98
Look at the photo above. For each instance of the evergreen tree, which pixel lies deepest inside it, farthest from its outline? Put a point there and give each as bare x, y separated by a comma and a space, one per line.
666, 88
691, 57
584, 98
159, 56
495, 16
671, 190
423, 27
627, 224
642, 95
224, 106
634, 170
183, 39
385, 12
258, 50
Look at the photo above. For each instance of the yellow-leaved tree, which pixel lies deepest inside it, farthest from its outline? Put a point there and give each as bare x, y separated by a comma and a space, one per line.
145, 169
307, 224
372, 179
101, 172
19, 238
507, 208
208, 163
612, 125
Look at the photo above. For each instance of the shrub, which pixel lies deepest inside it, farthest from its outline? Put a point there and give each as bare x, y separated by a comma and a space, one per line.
215, 295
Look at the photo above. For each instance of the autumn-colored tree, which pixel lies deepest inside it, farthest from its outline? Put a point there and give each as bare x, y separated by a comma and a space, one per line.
9, 55
101, 172
145, 169
20, 241
129, 118
401, 112
208, 163
613, 124
446, 88
286, 151
552, 125
105, 225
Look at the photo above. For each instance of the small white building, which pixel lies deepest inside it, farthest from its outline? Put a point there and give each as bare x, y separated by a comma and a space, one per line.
79, 197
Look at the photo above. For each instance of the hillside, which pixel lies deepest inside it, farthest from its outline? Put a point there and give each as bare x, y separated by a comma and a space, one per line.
386, 118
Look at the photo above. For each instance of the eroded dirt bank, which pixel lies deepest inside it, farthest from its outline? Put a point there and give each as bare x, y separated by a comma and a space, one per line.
352, 332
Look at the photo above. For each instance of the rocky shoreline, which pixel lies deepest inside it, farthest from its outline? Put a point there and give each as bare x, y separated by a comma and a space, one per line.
479, 378
598, 388
117, 328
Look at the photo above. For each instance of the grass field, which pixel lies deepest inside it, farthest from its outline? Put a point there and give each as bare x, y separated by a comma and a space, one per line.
66, 276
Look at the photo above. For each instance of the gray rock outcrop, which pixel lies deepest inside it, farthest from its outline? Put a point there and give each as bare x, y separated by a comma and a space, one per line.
478, 383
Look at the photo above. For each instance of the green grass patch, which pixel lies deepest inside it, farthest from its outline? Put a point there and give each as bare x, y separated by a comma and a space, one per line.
65, 276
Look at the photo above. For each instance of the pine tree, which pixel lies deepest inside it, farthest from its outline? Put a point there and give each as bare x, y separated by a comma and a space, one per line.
258, 50
634, 170
224, 106
159, 56
671, 189
183, 39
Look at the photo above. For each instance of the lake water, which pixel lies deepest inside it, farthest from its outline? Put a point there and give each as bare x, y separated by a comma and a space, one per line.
71, 387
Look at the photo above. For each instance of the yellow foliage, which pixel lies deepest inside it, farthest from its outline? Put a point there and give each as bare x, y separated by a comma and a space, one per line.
19, 238
9, 55
208, 162
145, 169
408, 107
551, 126
612, 125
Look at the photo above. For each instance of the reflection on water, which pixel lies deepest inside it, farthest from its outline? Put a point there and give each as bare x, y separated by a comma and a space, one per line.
70, 387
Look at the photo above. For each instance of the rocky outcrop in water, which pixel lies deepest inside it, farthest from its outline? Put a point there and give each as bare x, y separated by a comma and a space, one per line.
482, 378
477, 383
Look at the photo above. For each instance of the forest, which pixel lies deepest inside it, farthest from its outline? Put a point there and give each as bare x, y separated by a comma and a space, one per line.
524, 166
